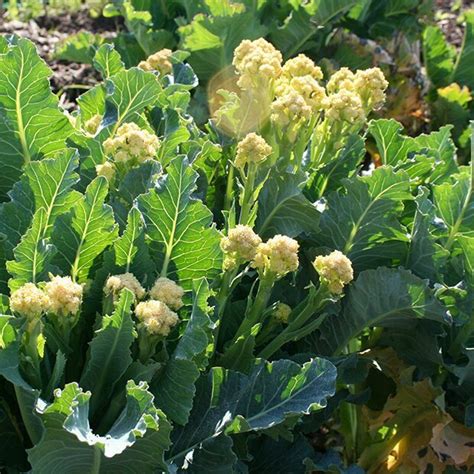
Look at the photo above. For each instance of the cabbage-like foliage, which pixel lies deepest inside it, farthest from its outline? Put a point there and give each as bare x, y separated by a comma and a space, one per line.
186, 299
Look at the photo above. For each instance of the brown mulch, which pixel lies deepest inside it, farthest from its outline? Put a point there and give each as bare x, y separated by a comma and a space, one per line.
448, 19
46, 32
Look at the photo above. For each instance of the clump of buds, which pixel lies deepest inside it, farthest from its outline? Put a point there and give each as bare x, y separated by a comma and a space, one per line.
252, 149
131, 143
29, 301
159, 61
168, 292
116, 283
156, 317
335, 271
239, 246
277, 257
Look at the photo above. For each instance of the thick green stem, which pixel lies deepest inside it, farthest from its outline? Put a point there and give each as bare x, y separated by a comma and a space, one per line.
229, 192
248, 197
257, 309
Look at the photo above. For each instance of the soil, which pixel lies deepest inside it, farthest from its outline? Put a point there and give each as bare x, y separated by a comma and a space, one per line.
448, 19
47, 31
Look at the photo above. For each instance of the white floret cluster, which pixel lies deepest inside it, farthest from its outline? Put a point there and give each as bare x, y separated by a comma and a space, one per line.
168, 292
65, 296
107, 170
282, 312
159, 61
131, 143
91, 126
335, 270
29, 301
156, 317
239, 246
116, 283
277, 256
252, 149
256, 62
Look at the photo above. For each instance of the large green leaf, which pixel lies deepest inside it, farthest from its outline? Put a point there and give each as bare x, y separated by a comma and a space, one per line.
230, 402
454, 201
181, 226
83, 233
439, 56
464, 68
45, 184
283, 209
379, 298
363, 222
213, 39
425, 256
107, 61
174, 389
135, 443
324, 11
128, 93
109, 355
32, 255
31, 125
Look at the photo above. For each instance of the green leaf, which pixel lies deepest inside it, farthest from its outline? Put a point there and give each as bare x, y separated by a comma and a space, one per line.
181, 225
363, 222
439, 56
454, 201
130, 248
110, 353
283, 209
213, 39
329, 177
324, 11
31, 125
45, 184
79, 47
380, 298
107, 61
32, 255
174, 389
82, 234
129, 92
136, 442
231, 402
464, 69
425, 256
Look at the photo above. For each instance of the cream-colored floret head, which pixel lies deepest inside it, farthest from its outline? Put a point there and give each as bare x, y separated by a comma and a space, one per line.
252, 149
156, 317
300, 66
282, 312
116, 283
345, 106
169, 292
256, 60
29, 301
335, 270
240, 245
65, 296
92, 124
289, 108
343, 79
107, 170
278, 256
371, 85
161, 61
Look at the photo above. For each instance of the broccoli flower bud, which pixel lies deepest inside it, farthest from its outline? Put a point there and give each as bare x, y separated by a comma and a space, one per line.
92, 124
29, 301
345, 106
341, 80
168, 292
240, 245
278, 256
282, 313
156, 317
300, 66
65, 296
307, 87
290, 107
335, 270
131, 143
106, 169
252, 149
371, 85
116, 283
256, 60
159, 61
